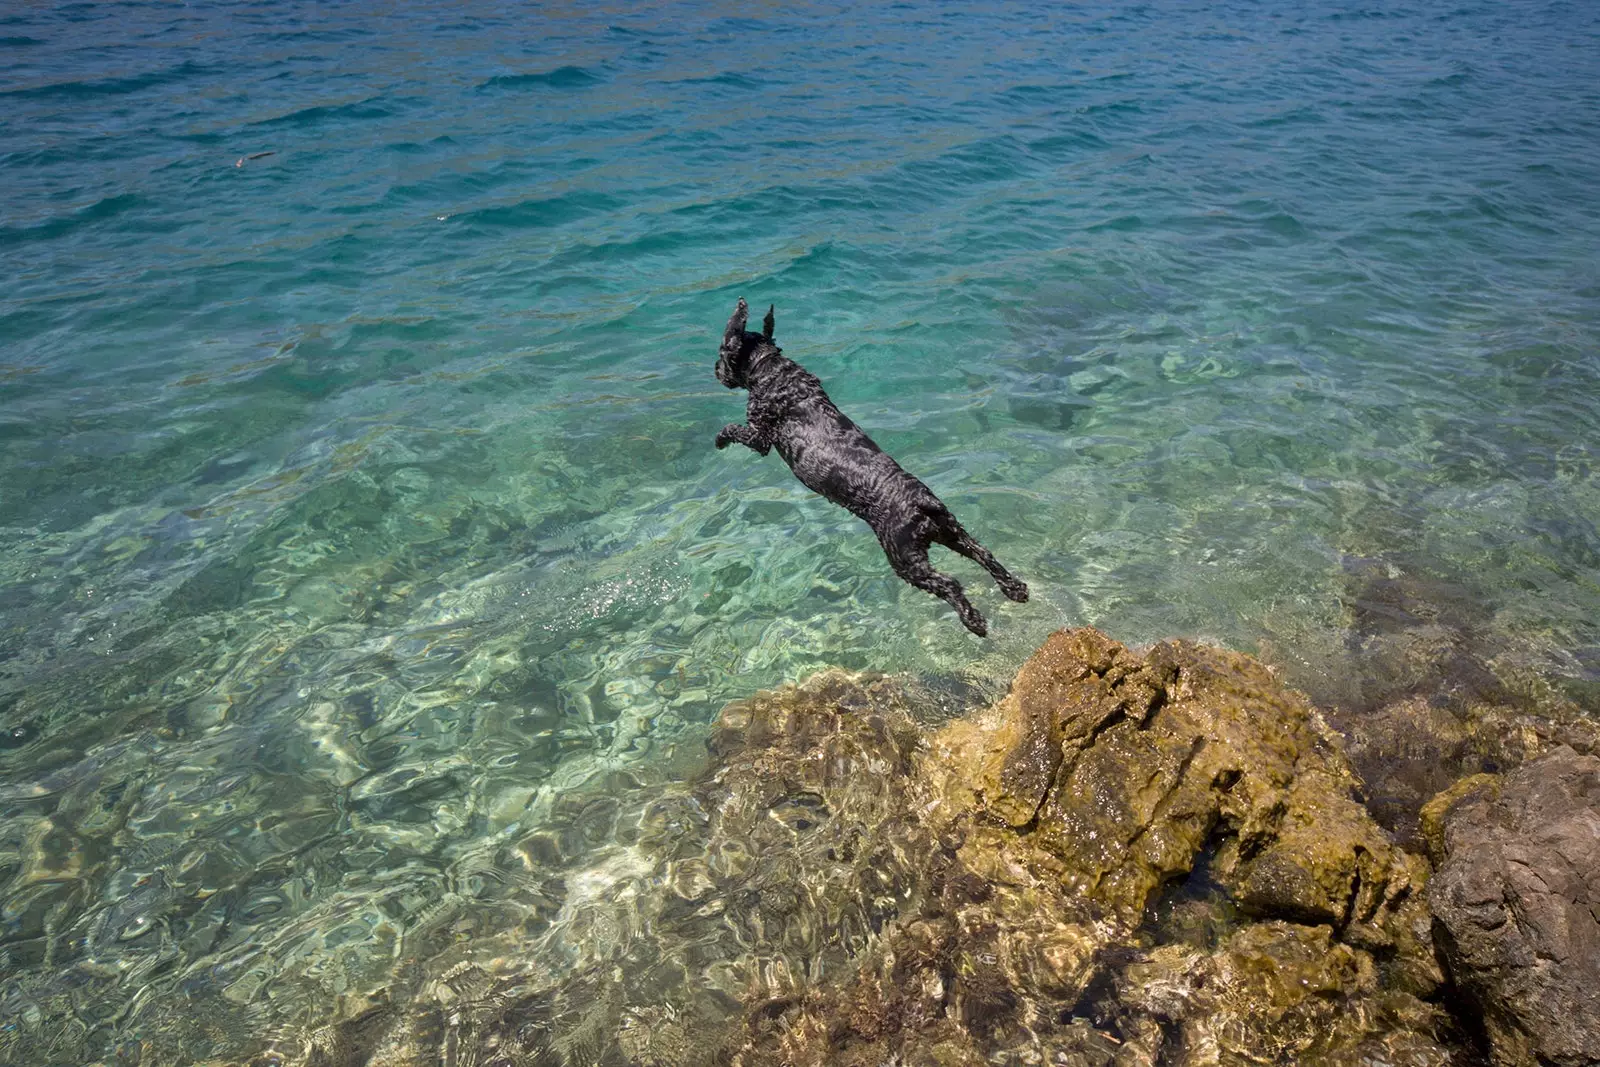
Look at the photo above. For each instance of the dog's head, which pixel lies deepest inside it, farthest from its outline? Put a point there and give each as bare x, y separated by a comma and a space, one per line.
741, 348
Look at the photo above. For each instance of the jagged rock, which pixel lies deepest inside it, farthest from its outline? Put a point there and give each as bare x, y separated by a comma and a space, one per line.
1121, 769
1517, 899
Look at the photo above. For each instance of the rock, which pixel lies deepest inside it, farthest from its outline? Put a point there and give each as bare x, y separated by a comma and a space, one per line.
1432, 818
1517, 904
1120, 769
1061, 811
1425, 688
1406, 751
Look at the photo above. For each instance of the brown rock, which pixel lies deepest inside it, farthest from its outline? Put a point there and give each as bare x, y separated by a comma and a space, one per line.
1517, 899
1065, 807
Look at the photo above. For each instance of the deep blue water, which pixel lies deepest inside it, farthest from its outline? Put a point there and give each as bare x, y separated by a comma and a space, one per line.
357, 497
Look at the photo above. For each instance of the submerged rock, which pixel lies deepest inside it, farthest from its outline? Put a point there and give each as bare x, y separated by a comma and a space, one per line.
1427, 689
1410, 750
1278, 992
1517, 899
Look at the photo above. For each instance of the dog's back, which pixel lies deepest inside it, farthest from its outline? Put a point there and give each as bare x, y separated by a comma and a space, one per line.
828, 452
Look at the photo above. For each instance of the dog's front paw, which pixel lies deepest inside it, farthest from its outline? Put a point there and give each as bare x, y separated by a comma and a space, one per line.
723, 440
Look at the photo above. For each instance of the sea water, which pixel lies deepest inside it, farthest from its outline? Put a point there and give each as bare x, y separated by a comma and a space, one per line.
358, 506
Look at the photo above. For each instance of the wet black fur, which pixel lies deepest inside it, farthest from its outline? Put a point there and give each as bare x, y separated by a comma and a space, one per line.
789, 411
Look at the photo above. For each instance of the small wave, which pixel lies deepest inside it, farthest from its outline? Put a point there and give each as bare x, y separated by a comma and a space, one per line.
729, 78
73, 152
19, 42
656, 243
369, 108
1366, 14
841, 266
63, 224
542, 213
992, 159
1120, 224
1033, 91
1285, 225
1115, 107
1066, 144
459, 187
74, 90
344, 33
560, 78
1257, 217
771, 201
197, 137
417, 148
1292, 117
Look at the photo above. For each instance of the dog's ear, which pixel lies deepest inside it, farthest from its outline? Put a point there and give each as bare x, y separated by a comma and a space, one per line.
734, 334
766, 323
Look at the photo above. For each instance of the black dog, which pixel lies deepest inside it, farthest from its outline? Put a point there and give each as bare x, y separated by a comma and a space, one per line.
833, 456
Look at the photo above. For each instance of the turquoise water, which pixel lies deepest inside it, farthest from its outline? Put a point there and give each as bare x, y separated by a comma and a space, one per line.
358, 507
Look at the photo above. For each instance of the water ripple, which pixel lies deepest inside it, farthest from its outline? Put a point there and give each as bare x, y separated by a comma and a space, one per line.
96, 87
560, 78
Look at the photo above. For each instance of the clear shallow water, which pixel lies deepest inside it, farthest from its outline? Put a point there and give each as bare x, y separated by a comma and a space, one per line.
359, 507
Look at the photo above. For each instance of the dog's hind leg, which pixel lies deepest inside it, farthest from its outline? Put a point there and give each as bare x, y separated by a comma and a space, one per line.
948, 532
953, 537
908, 555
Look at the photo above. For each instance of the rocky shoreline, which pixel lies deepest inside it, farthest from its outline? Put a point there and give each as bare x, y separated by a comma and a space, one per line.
1132, 858
1058, 817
